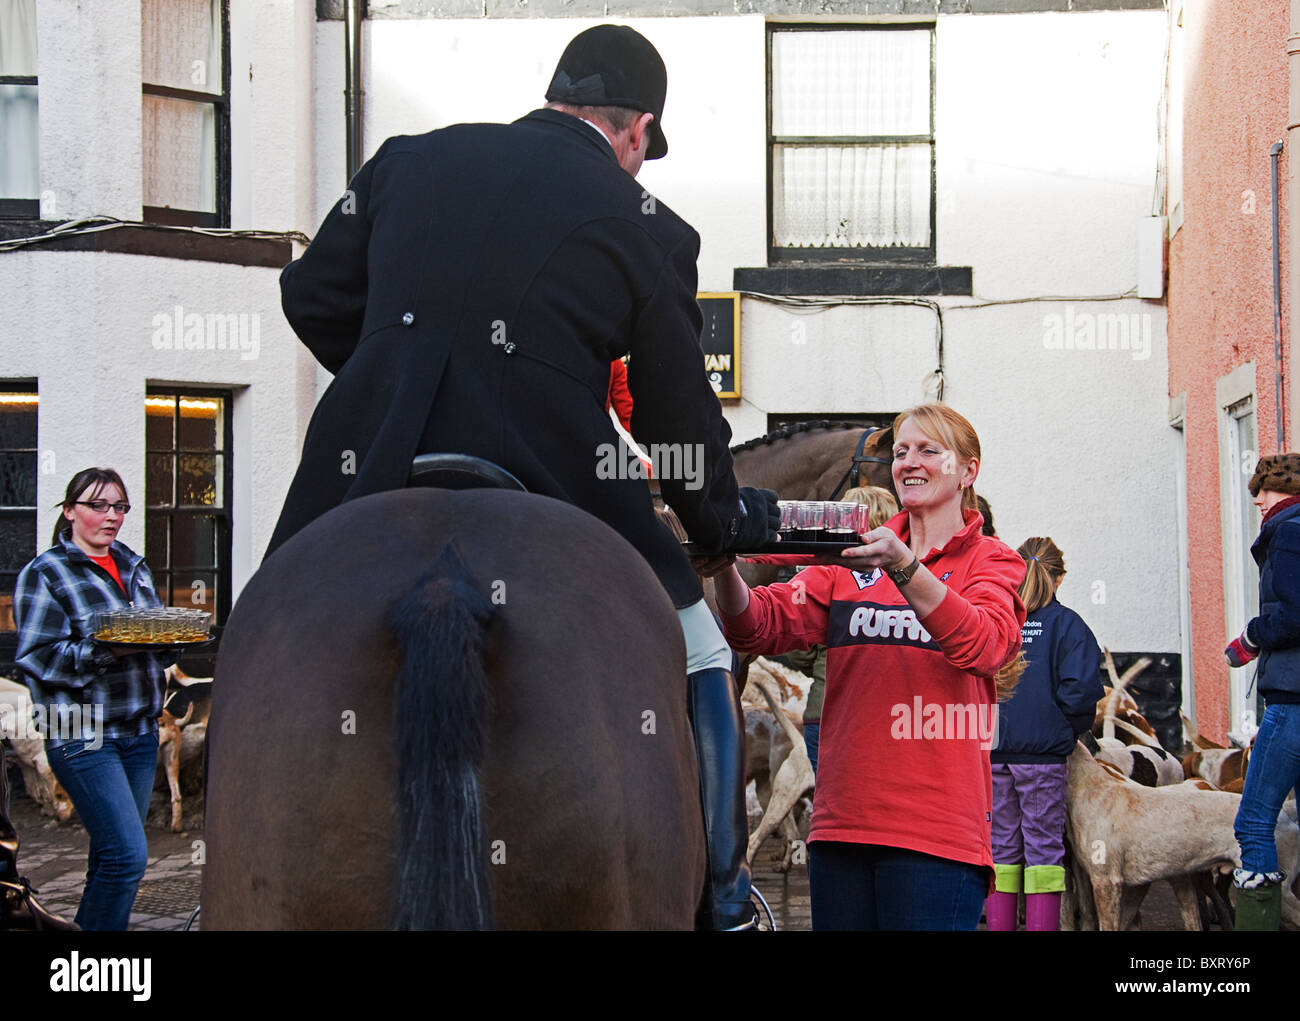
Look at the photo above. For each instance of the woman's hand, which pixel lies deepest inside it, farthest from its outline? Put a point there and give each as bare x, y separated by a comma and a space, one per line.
881, 548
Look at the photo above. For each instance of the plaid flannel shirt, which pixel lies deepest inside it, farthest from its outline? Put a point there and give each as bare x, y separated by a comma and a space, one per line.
86, 692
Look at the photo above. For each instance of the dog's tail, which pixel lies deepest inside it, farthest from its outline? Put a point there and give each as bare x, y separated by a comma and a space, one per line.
440, 733
764, 677
1197, 739
1142, 736
1117, 686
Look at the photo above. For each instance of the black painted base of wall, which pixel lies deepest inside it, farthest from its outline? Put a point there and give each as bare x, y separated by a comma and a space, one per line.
1158, 691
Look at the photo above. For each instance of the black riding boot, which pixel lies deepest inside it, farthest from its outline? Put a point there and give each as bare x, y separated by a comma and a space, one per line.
720, 744
18, 908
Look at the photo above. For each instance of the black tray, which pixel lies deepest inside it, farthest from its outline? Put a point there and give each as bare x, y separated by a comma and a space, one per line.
825, 548
158, 646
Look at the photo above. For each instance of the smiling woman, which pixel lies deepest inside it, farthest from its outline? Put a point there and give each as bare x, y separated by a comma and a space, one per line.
101, 702
922, 623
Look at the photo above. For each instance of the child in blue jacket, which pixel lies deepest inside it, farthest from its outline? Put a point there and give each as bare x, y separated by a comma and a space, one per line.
1054, 702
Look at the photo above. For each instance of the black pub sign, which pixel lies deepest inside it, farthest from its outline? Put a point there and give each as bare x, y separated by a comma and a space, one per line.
720, 340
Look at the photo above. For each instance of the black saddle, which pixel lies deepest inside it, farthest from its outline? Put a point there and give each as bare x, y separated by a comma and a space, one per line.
460, 471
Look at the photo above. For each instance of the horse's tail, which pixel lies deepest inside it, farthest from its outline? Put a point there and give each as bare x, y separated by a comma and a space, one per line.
440, 730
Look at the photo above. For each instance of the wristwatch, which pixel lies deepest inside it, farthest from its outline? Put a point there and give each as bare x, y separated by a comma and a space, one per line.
904, 574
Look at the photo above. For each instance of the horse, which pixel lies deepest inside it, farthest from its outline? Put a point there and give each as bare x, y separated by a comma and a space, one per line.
814, 460
416, 731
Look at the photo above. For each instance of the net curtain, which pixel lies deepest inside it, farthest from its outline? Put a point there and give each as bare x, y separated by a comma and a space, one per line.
19, 139
852, 83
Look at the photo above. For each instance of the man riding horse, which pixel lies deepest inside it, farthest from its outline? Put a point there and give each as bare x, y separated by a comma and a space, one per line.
469, 293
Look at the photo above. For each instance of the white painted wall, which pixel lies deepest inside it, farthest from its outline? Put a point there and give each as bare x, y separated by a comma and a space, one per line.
425, 74
82, 323
1046, 160
1046, 136
88, 64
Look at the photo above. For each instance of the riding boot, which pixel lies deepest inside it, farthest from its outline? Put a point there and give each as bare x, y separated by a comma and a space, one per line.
720, 745
19, 910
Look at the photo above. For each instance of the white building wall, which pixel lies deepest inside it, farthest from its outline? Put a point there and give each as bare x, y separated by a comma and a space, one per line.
88, 64
1046, 158
82, 323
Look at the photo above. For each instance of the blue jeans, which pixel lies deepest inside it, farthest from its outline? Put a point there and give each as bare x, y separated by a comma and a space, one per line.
869, 887
812, 733
110, 787
1273, 770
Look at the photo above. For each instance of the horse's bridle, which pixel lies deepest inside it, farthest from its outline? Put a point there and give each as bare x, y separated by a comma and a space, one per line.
852, 476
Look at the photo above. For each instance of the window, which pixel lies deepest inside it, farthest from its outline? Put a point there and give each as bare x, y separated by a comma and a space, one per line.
187, 497
851, 143
1241, 593
18, 466
19, 139
186, 111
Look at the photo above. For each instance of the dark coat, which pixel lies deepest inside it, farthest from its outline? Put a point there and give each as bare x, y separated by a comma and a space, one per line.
1056, 697
1277, 628
470, 292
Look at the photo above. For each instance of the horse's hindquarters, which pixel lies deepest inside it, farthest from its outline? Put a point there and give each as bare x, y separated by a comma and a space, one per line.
590, 796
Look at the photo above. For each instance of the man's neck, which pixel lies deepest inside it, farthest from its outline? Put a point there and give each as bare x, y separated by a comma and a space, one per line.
598, 128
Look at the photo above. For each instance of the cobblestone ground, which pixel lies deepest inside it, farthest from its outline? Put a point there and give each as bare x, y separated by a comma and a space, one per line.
53, 856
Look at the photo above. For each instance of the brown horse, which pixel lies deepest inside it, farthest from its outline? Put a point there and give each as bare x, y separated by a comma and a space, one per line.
810, 460
410, 732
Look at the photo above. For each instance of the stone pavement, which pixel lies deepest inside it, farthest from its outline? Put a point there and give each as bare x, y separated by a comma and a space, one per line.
53, 856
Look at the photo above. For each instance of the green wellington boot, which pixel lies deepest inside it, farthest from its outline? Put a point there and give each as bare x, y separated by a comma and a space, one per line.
1259, 909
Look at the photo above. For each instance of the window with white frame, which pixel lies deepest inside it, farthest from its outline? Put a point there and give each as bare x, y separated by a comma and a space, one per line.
1242, 574
185, 115
19, 139
851, 142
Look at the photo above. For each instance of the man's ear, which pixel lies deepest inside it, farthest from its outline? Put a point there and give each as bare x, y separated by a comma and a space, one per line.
641, 132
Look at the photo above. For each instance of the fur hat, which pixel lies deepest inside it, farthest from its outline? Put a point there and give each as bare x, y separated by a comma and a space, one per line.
1279, 473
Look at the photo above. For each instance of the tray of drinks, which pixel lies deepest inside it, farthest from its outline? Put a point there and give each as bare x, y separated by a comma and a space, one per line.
810, 526
154, 627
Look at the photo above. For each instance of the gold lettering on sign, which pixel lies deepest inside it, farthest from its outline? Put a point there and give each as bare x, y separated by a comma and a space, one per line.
717, 363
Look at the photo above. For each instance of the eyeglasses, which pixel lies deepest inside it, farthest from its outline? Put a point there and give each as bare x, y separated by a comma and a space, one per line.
101, 506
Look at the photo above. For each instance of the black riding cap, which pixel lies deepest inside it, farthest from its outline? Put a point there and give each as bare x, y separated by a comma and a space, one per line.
612, 65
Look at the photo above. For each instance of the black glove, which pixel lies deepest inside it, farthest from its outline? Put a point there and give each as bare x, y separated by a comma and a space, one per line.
760, 522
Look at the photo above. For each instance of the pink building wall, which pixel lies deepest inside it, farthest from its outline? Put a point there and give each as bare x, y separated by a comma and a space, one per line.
1220, 278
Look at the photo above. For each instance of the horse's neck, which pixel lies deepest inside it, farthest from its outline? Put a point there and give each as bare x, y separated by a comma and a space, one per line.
798, 467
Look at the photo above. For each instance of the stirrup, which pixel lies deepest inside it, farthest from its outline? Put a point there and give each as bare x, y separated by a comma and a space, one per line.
753, 923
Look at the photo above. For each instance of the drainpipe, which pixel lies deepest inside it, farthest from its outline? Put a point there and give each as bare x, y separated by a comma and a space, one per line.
352, 17
1293, 206
1274, 152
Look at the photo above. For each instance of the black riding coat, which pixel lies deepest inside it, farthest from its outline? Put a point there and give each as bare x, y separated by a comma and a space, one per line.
469, 293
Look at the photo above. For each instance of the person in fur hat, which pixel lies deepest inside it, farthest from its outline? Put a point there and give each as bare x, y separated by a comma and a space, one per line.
1273, 638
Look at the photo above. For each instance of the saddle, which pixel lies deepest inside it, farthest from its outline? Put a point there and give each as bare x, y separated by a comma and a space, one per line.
460, 471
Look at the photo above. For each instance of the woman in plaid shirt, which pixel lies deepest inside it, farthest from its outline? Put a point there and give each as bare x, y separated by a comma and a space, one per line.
100, 704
